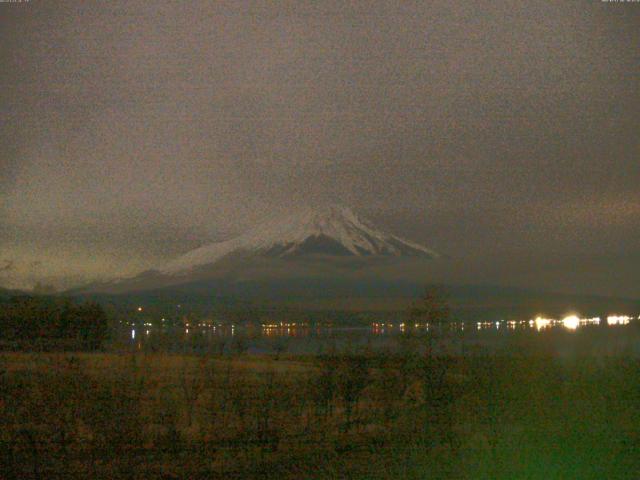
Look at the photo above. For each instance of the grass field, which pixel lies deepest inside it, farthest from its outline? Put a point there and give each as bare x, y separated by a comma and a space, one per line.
134, 415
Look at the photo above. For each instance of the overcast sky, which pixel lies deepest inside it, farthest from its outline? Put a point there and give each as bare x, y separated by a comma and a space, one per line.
504, 134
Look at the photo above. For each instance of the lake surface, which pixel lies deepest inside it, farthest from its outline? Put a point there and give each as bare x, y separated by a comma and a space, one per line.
572, 335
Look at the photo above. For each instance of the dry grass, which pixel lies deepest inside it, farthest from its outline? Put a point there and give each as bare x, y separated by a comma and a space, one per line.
140, 415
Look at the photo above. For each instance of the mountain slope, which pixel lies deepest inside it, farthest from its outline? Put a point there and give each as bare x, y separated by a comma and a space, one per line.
328, 241
330, 230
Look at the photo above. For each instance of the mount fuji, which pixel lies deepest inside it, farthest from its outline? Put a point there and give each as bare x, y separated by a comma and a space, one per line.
321, 259
331, 230
310, 242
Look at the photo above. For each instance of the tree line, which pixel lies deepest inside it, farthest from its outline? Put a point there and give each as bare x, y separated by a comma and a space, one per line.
27, 321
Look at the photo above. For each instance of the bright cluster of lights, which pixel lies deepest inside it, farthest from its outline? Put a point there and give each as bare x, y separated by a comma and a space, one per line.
510, 324
570, 322
573, 321
595, 320
618, 319
481, 325
540, 323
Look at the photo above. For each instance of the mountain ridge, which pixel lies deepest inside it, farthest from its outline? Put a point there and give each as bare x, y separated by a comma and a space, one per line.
332, 229
328, 241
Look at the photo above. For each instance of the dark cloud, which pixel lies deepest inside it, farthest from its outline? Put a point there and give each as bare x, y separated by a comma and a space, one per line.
133, 131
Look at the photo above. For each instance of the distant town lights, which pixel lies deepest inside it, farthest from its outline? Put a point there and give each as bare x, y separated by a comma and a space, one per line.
571, 322
618, 319
541, 322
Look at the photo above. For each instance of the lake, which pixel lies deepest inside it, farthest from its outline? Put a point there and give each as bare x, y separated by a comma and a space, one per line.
572, 335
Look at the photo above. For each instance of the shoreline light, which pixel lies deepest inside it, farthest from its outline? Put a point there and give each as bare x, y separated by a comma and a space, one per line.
571, 322
618, 319
541, 322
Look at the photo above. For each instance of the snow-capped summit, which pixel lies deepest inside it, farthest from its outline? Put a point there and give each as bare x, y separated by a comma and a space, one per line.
330, 230
330, 242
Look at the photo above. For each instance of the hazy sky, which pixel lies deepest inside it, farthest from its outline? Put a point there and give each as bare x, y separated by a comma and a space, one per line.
504, 134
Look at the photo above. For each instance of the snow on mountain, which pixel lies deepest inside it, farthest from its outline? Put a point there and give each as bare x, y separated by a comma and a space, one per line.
330, 230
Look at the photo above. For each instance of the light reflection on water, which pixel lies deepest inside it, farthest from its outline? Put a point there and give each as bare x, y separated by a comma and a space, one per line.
539, 323
570, 322
389, 328
610, 334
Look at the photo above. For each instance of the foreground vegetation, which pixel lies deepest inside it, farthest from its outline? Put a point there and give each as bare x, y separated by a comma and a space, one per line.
520, 414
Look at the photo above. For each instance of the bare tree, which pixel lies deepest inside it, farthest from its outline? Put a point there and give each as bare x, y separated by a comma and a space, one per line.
432, 307
430, 310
